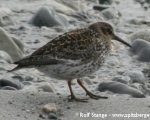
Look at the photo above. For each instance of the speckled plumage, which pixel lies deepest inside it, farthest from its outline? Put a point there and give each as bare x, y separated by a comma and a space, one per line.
74, 54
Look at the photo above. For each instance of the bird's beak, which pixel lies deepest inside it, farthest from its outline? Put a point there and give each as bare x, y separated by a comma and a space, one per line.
120, 40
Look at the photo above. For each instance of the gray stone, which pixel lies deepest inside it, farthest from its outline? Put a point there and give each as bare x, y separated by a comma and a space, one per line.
18, 42
144, 55
46, 87
87, 81
117, 87
111, 13
139, 45
5, 56
142, 34
26, 83
5, 19
29, 78
12, 83
8, 88
9, 46
19, 77
136, 76
123, 79
48, 17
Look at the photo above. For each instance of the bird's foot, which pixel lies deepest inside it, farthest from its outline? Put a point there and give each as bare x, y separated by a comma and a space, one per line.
93, 96
73, 97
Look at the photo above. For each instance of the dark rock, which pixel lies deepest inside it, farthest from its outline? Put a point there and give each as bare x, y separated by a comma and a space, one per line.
52, 116
11, 83
117, 87
48, 17
100, 7
105, 1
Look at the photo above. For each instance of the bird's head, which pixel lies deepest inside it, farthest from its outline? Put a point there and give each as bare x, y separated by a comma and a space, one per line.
107, 29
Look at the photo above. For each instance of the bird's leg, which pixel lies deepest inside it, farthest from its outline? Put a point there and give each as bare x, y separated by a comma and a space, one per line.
72, 94
88, 92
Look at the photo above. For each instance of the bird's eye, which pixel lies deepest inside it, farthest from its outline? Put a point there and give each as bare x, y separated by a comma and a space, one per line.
109, 30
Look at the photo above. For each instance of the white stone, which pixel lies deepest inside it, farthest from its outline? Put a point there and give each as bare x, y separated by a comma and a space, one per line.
9, 46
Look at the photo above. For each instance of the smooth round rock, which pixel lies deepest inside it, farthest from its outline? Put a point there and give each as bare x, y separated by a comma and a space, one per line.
142, 34
117, 87
144, 55
5, 56
87, 81
8, 88
123, 79
18, 42
9, 46
46, 87
11, 83
48, 17
19, 77
5, 19
136, 76
52, 116
139, 45
26, 83
111, 13
29, 78
49, 108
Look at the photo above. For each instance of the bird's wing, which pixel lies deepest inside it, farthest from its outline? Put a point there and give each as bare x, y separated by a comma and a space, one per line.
76, 45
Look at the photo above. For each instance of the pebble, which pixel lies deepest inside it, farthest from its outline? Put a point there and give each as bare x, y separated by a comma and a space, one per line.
87, 81
61, 8
8, 88
139, 45
26, 83
5, 56
29, 78
18, 42
142, 49
7, 42
12, 83
136, 76
101, 7
142, 34
105, 1
117, 87
52, 116
75, 5
48, 17
123, 79
46, 87
111, 13
19, 77
50, 108
5, 19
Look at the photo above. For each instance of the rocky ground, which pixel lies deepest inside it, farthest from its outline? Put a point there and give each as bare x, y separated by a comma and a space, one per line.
27, 25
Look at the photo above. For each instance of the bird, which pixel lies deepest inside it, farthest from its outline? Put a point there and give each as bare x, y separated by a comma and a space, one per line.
74, 55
